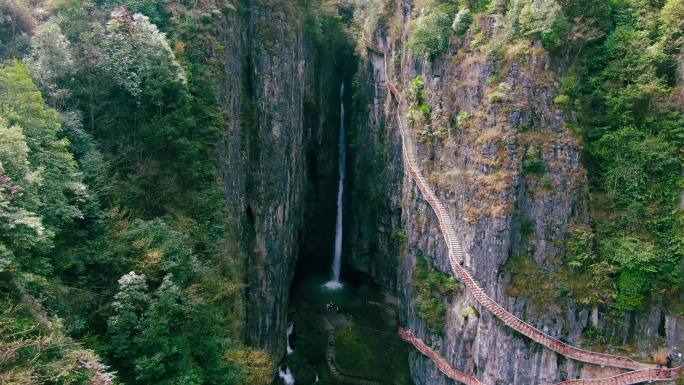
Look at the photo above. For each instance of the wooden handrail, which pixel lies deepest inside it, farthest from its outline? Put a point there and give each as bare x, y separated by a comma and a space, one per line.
628, 378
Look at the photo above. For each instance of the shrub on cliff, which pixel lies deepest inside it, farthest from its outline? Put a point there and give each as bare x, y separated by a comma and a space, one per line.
433, 289
430, 34
462, 21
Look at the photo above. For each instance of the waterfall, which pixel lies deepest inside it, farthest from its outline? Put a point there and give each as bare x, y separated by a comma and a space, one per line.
286, 376
334, 282
290, 329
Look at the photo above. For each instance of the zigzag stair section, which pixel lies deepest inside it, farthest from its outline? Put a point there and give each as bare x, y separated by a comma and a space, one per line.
641, 372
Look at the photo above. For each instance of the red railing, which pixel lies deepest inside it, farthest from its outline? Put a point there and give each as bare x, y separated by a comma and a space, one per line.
628, 378
633, 377
456, 255
441, 363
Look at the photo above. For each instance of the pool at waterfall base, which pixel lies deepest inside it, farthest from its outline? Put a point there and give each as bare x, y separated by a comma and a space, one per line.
367, 345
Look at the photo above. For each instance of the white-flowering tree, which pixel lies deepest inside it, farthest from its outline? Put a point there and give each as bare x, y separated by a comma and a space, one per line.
51, 60
21, 228
140, 59
537, 17
41, 186
129, 305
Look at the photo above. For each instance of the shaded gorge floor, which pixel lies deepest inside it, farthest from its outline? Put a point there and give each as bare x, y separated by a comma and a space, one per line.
366, 344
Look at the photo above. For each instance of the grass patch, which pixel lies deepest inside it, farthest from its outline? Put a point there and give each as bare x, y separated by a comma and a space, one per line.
529, 281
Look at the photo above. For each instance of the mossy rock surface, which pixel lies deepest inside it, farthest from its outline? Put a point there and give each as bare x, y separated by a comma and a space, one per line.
368, 354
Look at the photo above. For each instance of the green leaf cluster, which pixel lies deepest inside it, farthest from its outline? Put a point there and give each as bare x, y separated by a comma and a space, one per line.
433, 289
430, 34
624, 90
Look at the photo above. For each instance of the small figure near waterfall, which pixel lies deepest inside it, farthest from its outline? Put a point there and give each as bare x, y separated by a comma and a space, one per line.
330, 306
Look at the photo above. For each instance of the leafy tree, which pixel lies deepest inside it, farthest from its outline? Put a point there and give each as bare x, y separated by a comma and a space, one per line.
51, 59
166, 352
637, 263
123, 326
14, 152
430, 34
161, 250
462, 21
49, 188
22, 229
538, 18
140, 60
672, 15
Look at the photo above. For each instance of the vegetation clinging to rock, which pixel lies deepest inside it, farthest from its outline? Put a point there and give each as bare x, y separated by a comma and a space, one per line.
433, 289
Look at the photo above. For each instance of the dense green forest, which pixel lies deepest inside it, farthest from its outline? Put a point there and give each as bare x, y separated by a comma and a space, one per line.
627, 96
111, 197
116, 254
620, 64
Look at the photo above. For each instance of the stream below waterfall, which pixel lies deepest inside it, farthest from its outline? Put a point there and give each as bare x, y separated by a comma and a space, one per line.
350, 325
365, 330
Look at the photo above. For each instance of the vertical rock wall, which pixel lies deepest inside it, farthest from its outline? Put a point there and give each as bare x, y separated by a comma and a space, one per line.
501, 210
263, 157
278, 157
278, 154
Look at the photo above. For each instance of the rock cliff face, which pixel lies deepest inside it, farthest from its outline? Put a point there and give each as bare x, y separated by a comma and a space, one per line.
262, 158
280, 95
493, 119
377, 238
496, 150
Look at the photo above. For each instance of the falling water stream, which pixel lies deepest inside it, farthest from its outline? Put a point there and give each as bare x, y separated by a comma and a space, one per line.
334, 282
366, 314
290, 329
287, 376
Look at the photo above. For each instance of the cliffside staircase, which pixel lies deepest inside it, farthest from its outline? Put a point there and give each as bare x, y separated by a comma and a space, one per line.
641, 372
